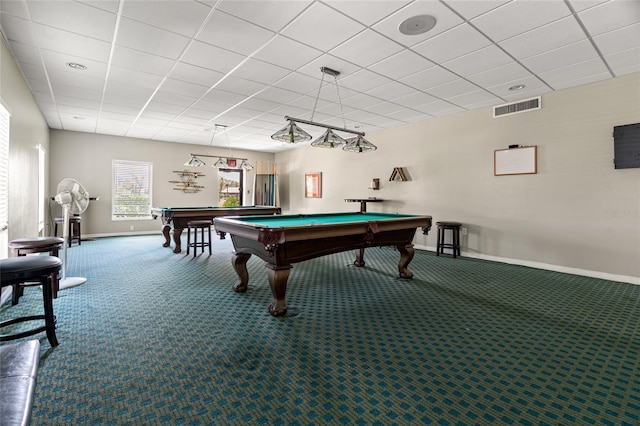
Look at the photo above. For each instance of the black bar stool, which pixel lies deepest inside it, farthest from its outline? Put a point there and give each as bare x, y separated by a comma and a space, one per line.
24, 246
201, 225
32, 268
74, 229
454, 227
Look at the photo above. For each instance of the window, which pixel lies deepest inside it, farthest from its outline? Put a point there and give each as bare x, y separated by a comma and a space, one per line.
230, 187
131, 190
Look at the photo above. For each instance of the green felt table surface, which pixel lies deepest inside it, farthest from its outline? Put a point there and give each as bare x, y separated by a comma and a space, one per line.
284, 221
215, 207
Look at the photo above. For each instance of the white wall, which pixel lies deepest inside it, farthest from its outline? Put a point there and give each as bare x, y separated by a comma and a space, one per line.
88, 158
28, 129
576, 214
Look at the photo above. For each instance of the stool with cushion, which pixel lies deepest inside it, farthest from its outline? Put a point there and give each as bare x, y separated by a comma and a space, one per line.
24, 246
201, 225
454, 227
74, 229
23, 269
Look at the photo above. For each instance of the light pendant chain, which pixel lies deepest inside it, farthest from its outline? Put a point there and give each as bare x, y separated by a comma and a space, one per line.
344, 123
317, 97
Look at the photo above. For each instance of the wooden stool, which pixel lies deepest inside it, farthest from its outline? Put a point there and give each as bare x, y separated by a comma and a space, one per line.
195, 225
31, 268
455, 237
24, 246
74, 229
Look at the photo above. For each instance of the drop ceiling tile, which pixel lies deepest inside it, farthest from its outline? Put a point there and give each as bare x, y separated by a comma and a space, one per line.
74, 17
512, 71
579, 5
34, 72
450, 44
384, 108
548, 37
428, 78
321, 27
363, 80
453, 88
345, 68
141, 61
518, 17
109, 6
287, 53
408, 115
415, 99
175, 99
63, 77
619, 40
211, 57
58, 61
360, 101
199, 113
269, 14
259, 106
127, 95
119, 75
72, 44
74, 91
401, 65
81, 103
582, 72
470, 9
14, 8
558, 58
369, 15
150, 39
391, 91
195, 74
38, 85
366, 48
478, 61
277, 94
223, 97
439, 108
610, 16
260, 71
16, 29
240, 85
184, 88
445, 19
624, 62
120, 109
181, 17
224, 30
299, 83
471, 100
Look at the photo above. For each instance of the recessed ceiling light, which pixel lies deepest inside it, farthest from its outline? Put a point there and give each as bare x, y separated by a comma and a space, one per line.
417, 25
517, 87
77, 66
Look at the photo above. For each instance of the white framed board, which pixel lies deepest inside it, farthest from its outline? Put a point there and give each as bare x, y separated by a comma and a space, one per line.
515, 161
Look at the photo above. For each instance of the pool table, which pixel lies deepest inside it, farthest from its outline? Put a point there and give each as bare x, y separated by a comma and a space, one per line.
177, 218
286, 239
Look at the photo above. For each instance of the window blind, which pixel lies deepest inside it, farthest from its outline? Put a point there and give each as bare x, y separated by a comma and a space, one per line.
131, 190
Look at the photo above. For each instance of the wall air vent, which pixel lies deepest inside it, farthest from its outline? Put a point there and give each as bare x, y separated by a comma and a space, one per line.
517, 107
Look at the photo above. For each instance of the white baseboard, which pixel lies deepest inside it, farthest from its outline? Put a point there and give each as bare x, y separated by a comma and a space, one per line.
546, 266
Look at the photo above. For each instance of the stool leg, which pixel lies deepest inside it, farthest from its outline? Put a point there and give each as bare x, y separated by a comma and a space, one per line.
188, 239
438, 242
210, 243
79, 234
49, 318
458, 240
195, 241
454, 238
202, 238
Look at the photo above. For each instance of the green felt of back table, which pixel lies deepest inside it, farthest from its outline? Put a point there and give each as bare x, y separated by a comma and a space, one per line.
286, 239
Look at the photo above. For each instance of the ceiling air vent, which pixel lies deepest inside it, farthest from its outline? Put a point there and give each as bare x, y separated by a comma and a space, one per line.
517, 107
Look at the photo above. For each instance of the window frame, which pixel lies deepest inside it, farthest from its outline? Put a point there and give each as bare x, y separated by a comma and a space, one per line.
115, 164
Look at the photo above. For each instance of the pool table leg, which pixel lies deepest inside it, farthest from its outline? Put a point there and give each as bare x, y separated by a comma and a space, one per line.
239, 262
359, 258
166, 229
176, 239
278, 277
406, 254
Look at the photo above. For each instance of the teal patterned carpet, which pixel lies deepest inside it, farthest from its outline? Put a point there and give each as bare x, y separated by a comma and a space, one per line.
155, 337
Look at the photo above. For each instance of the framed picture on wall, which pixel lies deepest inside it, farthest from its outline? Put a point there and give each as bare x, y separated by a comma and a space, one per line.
313, 185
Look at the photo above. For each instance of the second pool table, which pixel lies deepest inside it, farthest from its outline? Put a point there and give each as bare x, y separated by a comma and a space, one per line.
177, 218
285, 239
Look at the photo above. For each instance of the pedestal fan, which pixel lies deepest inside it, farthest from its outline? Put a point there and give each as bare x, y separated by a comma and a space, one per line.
74, 199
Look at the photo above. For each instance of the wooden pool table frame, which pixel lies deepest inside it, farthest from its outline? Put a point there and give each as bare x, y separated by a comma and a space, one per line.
176, 218
281, 246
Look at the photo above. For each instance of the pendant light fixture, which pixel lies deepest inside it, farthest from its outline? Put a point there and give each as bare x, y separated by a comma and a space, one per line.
223, 162
292, 133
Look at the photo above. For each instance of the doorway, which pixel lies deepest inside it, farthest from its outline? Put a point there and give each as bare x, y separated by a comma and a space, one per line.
230, 187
